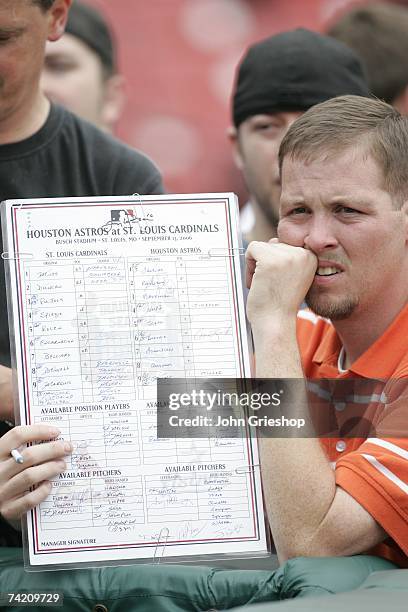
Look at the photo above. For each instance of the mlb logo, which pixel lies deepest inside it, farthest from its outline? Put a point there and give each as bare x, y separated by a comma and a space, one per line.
121, 215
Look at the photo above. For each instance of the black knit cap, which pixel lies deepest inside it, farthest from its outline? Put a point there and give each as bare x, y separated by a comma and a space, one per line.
294, 71
87, 24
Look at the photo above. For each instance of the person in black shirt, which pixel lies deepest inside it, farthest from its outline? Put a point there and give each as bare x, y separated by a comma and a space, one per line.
68, 157
45, 151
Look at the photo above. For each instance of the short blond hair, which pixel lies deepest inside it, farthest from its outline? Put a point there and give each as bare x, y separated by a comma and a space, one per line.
337, 124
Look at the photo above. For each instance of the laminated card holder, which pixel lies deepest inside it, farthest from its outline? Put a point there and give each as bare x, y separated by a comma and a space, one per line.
110, 299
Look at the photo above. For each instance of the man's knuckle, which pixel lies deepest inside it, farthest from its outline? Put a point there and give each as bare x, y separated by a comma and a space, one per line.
18, 435
57, 449
29, 455
28, 477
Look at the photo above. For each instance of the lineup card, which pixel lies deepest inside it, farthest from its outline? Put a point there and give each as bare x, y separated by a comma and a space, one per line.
107, 295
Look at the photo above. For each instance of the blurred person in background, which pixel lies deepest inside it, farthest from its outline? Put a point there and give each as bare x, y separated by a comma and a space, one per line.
378, 33
278, 79
80, 69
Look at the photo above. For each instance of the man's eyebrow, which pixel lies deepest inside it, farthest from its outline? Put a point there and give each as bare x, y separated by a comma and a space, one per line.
352, 200
292, 201
55, 54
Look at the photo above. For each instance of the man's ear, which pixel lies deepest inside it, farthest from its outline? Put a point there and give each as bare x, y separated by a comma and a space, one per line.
114, 101
232, 135
57, 18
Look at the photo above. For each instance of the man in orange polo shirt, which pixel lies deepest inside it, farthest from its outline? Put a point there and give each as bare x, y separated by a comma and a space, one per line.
343, 247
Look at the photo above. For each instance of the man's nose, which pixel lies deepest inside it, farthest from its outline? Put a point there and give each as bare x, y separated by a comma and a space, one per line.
320, 234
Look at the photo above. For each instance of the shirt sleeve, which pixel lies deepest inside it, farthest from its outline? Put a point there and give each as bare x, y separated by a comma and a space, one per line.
376, 475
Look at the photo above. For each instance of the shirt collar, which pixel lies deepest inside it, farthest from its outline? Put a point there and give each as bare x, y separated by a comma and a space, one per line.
380, 360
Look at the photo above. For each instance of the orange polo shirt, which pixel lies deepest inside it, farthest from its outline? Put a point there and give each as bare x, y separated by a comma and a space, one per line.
372, 468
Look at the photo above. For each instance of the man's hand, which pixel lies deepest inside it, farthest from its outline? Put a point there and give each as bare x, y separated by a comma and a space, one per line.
278, 276
41, 462
6, 395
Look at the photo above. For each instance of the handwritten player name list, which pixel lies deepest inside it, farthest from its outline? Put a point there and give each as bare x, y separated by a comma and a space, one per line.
108, 296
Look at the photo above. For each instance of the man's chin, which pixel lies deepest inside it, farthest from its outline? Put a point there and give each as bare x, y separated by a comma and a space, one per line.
335, 310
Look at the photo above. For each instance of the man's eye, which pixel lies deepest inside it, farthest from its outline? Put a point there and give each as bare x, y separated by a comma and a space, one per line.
59, 66
266, 125
299, 210
346, 210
